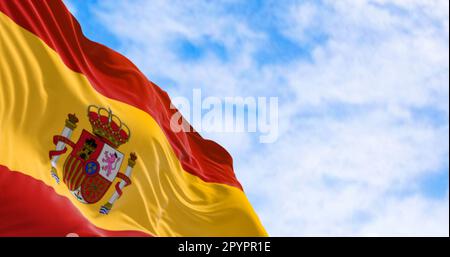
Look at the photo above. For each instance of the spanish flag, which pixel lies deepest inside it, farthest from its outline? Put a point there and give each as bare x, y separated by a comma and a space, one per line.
86, 146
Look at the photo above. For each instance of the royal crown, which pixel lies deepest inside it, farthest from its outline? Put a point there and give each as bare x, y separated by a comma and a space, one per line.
108, 126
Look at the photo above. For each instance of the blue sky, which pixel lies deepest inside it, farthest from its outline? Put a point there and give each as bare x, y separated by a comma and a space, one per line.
363, 101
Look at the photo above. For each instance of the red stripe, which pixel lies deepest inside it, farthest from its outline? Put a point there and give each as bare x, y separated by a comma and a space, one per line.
68, 170
81, 176
28, 207
74, 171
63, 139
124, 178
114, 76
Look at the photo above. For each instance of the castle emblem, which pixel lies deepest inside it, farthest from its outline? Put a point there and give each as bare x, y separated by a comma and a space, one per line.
95, 161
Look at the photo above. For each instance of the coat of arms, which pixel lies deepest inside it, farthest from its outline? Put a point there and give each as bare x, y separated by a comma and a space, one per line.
95, 161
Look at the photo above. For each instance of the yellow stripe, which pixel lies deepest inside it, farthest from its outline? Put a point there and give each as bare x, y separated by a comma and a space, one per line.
76, 173
38, 91
69, 170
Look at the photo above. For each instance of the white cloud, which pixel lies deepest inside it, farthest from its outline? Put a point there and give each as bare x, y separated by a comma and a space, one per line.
399, 218
71, 7
356, 124
157, 26
316, 180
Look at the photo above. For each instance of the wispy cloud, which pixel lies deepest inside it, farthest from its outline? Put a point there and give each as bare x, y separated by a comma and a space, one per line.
363, 89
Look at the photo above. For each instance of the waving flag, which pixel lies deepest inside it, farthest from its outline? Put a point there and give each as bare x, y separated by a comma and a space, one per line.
86, 145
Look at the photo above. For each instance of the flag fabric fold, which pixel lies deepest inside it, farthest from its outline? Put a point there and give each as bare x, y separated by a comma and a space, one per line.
116, 168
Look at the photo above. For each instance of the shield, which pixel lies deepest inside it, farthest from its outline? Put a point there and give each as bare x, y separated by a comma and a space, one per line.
91, 167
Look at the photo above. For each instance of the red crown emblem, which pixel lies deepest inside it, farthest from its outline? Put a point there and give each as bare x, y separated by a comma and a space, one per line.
108, 126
